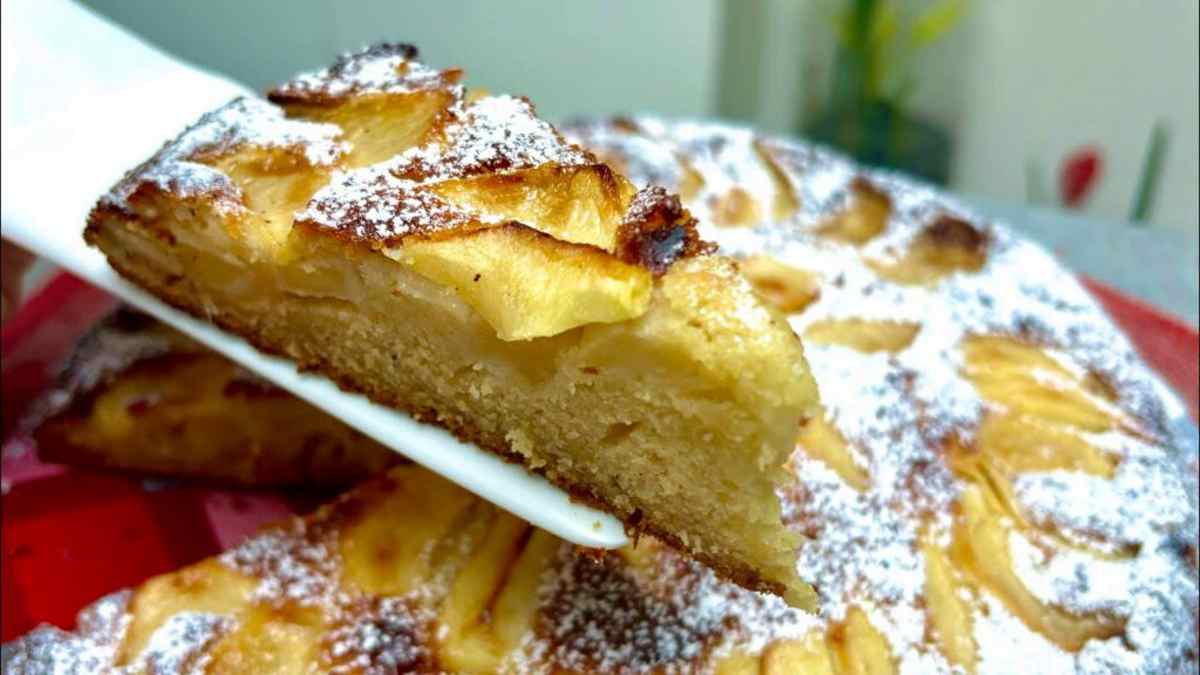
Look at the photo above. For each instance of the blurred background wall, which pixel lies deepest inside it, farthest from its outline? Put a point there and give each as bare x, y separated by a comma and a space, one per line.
1016, 85
569, 57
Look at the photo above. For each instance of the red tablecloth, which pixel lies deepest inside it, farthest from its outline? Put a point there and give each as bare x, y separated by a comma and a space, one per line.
71, 536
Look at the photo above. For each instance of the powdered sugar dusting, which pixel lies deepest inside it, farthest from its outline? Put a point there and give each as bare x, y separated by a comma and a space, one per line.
386, 635
1006, 643
1073, 579
600, 616
178, 646
898, 412
52, 651
299, 564
1141, 505
726, 161
48, 650
495, 133
293, 564
651, 162
179, 166
372, 204
378, 69
390, 201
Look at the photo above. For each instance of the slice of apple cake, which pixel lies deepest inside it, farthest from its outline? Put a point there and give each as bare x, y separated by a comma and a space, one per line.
450, 254
135, 394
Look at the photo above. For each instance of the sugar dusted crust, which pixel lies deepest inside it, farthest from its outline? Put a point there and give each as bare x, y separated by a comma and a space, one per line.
386, 203
382, 68
178, 168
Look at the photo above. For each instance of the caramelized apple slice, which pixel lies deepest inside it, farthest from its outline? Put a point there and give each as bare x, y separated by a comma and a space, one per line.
860, 648
863, 335
949, 614
492, 602
275, 184
1023, 444
946, 246
209, 586
789, 289
810, 654
578, 204
527, 284
1023, 379
271, 640
821, 440
863, 218
378, 562
981, 549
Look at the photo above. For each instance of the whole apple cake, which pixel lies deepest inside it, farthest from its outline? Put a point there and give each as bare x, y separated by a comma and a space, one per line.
995, 484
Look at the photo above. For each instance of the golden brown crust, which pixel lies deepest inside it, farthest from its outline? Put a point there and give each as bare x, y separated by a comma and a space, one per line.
861, 185
951, 232
469, 148
658, 231
359, 73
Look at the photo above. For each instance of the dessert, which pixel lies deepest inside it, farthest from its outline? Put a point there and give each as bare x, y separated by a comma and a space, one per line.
137, 395
1017, 500
467, 588
996, 483
450, 254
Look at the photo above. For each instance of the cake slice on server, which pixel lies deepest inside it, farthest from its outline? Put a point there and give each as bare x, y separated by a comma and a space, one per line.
137, 395
450, 254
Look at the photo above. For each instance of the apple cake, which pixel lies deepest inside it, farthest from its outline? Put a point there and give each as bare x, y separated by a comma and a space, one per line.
135, 394
995, 483
450, 254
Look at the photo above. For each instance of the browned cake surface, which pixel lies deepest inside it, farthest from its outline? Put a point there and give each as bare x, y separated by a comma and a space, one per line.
450, 254
137, 395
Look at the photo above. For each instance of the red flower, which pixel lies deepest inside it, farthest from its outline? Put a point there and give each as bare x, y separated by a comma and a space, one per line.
1079, 173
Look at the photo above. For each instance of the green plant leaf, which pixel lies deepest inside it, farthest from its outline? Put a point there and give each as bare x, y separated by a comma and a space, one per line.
884, 24
843, 25
936, 21
1147, 188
